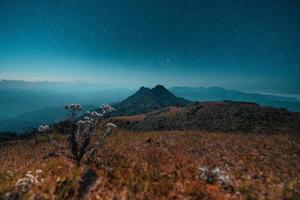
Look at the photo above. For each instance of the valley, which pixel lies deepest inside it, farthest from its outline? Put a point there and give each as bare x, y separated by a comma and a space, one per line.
162, 147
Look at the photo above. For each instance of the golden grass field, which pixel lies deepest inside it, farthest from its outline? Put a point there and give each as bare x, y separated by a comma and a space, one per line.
161, 165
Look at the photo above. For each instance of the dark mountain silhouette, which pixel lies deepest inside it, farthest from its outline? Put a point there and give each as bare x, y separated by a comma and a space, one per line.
146, 100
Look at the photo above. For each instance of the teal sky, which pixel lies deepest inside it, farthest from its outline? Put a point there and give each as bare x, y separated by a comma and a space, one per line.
246, 45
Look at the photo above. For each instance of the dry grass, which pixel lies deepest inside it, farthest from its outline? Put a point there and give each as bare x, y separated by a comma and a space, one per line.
164, 165
129, 118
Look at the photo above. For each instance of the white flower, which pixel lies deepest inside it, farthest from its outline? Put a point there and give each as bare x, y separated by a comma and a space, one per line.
111, 125
44, 128
80, 122
95, 114
105, 108
214, 175
25, 183
86, 127
86, 118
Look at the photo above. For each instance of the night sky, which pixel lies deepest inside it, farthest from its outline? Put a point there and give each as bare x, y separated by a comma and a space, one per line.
250, 45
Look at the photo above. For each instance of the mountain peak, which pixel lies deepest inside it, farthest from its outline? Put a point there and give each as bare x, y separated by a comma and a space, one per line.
146, 100
159, 87
143, 90
161, 90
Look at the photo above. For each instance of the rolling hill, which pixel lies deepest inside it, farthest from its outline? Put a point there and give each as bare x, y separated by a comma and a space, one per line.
226, 116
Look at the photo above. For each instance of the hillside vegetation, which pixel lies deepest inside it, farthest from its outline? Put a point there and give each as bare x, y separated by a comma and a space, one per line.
160, 165
215, 116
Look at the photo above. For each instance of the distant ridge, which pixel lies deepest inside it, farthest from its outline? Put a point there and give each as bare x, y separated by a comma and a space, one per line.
221, 94
146, 100
25, 122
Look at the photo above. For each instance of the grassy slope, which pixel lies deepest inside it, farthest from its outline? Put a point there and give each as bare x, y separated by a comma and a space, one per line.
164, 164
